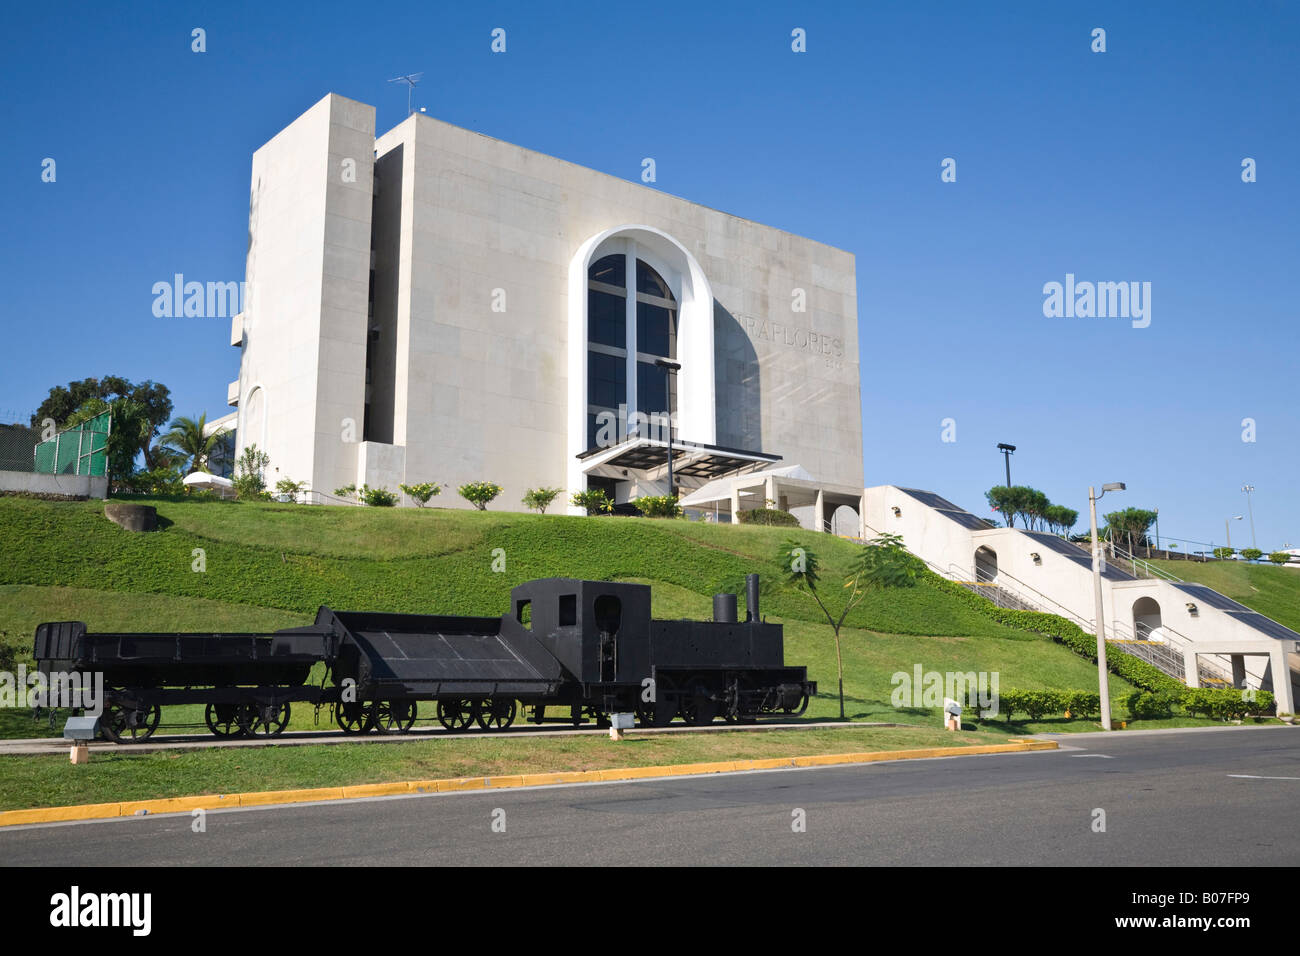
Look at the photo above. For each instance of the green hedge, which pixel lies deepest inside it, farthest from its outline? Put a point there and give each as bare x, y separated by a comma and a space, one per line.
769, 516
1222, 704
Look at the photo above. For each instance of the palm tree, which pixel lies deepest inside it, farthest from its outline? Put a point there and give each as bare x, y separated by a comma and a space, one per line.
187, 439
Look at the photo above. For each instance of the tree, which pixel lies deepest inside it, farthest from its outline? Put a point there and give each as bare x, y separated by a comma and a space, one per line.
885, 563
421, 493
1223, 554
1252, 554
479, 493
186, 439
287, 486
1280, 557
539, 499
1005, 501
1060, 519
249, 481
803, 569
1130, 525
63, 401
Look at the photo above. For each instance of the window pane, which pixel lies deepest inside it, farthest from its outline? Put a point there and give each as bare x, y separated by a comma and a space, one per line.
607, 319
650, 282
602, 432
656, 330
612, 270
651, 388
606, 380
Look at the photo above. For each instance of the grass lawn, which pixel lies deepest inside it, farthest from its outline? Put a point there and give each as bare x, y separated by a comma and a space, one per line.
271, 565
1272, 591
120, 775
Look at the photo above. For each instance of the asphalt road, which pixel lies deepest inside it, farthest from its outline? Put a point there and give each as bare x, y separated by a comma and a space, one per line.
1207, 798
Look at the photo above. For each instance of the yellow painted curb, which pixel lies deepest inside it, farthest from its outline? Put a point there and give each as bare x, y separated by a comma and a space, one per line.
95, 811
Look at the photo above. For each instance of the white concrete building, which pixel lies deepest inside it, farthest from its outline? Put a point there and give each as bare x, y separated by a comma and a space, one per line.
1188, 630
437, 305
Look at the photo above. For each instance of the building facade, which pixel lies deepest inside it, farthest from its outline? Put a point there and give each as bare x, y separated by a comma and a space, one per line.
438, 305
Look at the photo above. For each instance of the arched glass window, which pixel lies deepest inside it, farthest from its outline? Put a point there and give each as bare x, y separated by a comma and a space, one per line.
654, 321
606, 340
656, 338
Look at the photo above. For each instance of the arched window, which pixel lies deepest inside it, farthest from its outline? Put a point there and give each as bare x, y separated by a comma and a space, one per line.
656, 338
606, 341
653, 322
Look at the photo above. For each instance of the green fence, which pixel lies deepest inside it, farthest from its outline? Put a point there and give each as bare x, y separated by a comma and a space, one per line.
78, 451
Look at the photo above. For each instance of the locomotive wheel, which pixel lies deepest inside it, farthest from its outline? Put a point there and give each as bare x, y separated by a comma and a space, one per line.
797, 711
696, 708
394, 716
645, 713
124, 726
223, 720
354, 718
495, 713
268, 721
456, 714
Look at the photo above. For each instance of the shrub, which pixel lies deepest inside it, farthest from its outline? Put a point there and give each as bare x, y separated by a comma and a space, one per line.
249, 468
377, 497
158, 481
1252, 554
1151, 705
769, 516
287, 486
1081, 703
594, 501
539, 499
347, 491
479, 493
421, 493
1223, 554
659, 506
1279, 557
1226, 703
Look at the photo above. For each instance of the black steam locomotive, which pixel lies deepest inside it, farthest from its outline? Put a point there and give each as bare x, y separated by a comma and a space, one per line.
589, 648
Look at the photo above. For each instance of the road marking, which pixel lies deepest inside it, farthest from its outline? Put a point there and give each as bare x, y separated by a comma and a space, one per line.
1253, 776
1102, 756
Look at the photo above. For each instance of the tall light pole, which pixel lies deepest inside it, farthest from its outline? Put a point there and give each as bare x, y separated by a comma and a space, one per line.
1007, 451
1228, 528
1103, 682
669, 368
1251, 511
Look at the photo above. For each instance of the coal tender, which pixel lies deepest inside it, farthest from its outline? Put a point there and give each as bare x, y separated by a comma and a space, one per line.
578, 649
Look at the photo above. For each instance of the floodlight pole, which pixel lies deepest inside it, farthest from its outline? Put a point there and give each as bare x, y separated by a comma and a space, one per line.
1006, 455
1103, 680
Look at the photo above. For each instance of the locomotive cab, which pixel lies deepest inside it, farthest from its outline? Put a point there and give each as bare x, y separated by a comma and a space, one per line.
599, 631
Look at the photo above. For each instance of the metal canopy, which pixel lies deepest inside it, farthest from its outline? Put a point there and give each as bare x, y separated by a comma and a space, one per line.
690, 459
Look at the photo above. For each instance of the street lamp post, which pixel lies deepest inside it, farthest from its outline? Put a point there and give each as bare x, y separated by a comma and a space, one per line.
669, 368
1103, 681
1251, 511
1228, 528
1007, 451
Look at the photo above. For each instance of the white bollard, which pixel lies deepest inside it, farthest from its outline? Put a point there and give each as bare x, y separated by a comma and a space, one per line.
951, 714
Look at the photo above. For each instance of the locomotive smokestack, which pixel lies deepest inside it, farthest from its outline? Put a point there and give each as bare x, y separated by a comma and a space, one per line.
724, 608
751, 597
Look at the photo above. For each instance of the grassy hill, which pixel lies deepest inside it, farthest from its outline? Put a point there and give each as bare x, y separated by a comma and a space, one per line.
272, 565
1270, 590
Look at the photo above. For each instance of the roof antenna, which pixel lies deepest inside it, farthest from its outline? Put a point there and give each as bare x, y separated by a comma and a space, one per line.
410, 80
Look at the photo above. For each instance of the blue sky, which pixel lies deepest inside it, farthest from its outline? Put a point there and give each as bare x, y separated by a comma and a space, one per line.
1115, 166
